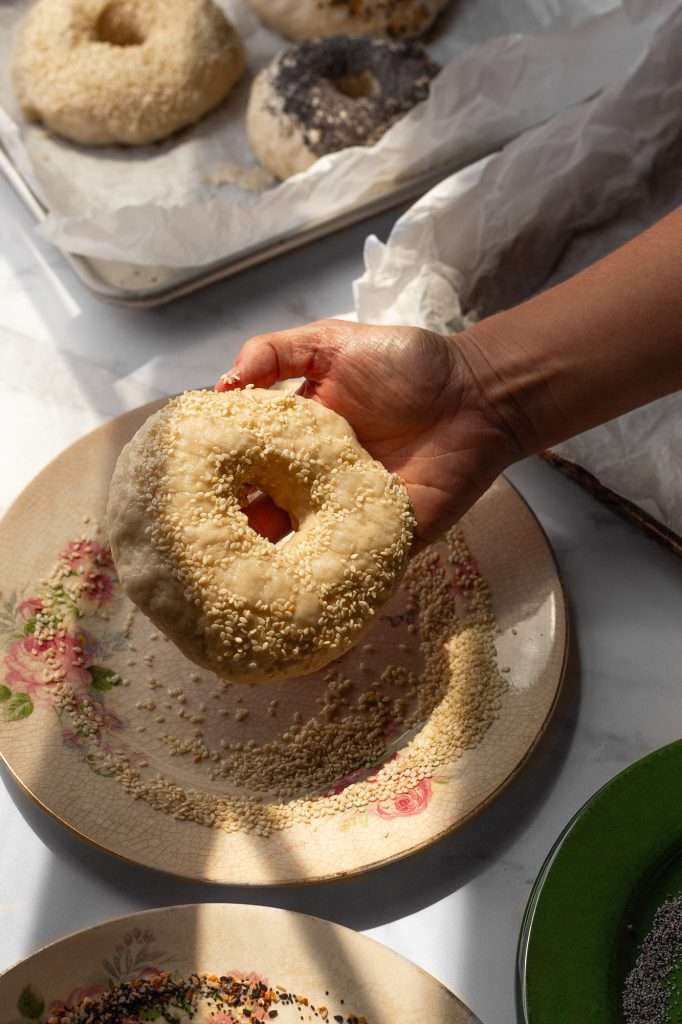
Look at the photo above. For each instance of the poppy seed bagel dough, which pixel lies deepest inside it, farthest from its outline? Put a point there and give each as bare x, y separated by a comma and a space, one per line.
102, 72
231, 600
328, 94
310, 19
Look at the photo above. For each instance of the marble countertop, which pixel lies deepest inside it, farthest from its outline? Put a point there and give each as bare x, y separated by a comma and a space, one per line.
68, 363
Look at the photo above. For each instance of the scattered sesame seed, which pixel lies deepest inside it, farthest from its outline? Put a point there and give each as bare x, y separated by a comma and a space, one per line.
196, 996
447, 697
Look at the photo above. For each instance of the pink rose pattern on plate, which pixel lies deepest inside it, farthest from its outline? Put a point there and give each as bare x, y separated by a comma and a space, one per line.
414, 801
138, 990
51, 657
405, 805
135, 957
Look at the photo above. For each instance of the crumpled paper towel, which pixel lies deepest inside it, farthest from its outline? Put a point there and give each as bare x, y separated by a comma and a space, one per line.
552, 201
156, 205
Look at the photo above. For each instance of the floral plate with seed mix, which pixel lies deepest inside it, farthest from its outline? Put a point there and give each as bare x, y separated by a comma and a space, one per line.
601, 941
222, 964
116, 734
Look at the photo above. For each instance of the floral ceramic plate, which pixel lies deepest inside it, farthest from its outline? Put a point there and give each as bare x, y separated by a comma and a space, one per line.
120, 737
231, 965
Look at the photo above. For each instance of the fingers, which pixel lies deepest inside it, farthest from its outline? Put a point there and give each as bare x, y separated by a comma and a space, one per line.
300, 352
267, 519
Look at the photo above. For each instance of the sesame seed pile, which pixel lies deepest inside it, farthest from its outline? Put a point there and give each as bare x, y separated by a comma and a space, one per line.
651, 985
232, 601
167, 997
434, 696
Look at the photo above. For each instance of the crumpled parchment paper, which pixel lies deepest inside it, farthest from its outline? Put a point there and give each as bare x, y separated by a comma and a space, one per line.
555, 199
507, 67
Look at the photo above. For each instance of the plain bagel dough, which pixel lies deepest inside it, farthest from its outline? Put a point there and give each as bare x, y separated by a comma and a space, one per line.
231, 600
101, 72
309, 19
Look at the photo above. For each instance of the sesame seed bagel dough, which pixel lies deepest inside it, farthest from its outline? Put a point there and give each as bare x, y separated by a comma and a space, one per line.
102, 72
232, 601
309, 19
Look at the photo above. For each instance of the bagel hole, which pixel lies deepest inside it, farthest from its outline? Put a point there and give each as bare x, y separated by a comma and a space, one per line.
265, 516
116, 27
357, 87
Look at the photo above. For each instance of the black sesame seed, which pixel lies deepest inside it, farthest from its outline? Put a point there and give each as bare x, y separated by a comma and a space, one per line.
648, 986
331, 120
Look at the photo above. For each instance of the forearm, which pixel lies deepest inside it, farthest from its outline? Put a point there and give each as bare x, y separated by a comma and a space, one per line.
604, 342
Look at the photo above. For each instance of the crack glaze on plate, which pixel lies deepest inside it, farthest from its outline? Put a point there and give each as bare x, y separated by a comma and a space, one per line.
128, 679
334, 974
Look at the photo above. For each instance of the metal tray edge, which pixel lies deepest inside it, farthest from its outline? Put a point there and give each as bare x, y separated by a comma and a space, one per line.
193, 278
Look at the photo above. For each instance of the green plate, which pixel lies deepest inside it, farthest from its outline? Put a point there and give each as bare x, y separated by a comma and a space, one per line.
596, 895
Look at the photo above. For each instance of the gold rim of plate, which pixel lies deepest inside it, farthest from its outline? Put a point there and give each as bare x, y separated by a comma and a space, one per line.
515, 559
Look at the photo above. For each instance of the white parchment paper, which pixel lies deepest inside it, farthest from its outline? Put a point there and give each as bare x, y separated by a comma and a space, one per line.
551, 202
507, 66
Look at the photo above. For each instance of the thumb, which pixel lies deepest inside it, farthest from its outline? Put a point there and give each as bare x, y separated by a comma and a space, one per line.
300, 352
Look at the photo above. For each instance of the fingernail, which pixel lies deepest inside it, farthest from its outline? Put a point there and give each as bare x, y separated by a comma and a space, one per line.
228, 379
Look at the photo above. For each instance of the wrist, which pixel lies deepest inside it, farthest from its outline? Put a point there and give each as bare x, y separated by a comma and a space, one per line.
510, 382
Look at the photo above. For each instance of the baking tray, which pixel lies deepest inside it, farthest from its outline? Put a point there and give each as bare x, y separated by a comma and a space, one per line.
621, 506
137, 286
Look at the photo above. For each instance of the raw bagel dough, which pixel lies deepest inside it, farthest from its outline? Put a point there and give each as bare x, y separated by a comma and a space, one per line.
329, 94
309, 19
124, 71
232, 601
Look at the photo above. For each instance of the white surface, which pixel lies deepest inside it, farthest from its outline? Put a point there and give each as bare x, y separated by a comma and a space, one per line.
68, 363
154, 205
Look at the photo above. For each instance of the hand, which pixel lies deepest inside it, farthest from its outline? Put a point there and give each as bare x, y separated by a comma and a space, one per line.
411, 399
